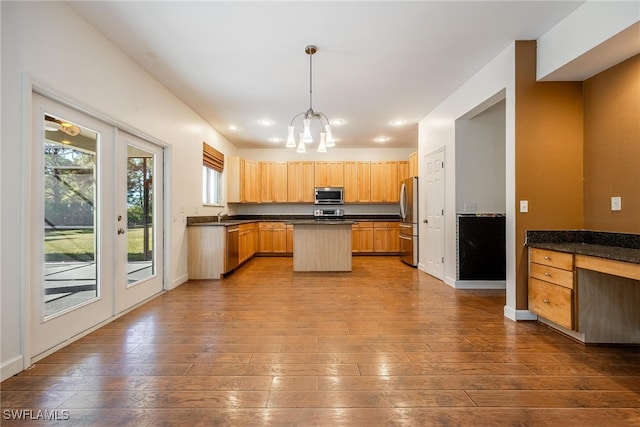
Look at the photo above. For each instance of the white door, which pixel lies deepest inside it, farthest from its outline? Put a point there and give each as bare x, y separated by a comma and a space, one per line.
95, 234
434, 208
72, 227
139, 217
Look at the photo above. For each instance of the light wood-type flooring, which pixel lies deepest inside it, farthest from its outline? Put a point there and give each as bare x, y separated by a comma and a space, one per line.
383, 345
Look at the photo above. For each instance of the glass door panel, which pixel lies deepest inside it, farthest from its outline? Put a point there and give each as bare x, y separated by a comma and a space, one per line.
70, 206
140, 196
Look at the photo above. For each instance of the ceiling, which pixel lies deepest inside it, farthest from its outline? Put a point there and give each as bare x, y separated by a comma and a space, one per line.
239, 62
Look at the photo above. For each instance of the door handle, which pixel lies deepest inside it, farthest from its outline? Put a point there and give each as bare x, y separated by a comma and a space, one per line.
426, 221
121, 231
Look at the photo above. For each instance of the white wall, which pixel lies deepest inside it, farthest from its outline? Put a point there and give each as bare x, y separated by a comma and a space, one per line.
480, 176
49, 45
438, 129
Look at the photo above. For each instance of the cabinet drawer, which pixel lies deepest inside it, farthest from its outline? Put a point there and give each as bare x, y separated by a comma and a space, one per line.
551, 274
363, 224
551, 258
552, 302
386, 224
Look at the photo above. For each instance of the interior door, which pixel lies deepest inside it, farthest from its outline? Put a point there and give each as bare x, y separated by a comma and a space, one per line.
72, 229
139, 219
434, 208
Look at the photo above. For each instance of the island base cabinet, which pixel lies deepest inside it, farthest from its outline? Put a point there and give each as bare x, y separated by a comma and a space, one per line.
206, 252
319, 247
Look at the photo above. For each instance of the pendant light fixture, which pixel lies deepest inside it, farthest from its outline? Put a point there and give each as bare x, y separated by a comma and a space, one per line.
326, 138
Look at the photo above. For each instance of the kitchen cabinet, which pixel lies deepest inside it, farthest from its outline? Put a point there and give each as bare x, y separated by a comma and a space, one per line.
385, 185
386, 236
289, 249
273, 182
551, 286
300, 181
206, 252
242, 180
413, 164
362, 237
329, 174
357, 182
403, 170
248, 241
272, 238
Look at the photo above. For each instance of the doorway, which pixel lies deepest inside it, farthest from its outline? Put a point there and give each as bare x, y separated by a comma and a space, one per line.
82, 270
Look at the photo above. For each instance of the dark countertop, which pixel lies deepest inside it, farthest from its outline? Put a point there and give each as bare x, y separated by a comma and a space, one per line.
244, 219
615, 246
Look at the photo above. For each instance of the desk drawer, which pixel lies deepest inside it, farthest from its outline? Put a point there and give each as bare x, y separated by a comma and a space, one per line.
552, 302
555, 259
551, 274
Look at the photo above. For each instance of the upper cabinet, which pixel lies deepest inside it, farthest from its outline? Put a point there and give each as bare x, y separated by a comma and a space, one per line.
242, 180
273, 182
413, 164
300, 182
385, 184
250, 181
329, 174
357, 182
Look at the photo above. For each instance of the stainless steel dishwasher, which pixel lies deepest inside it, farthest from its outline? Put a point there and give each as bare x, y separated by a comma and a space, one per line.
233, 253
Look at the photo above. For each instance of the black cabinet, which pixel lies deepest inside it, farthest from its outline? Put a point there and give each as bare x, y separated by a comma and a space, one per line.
481, 247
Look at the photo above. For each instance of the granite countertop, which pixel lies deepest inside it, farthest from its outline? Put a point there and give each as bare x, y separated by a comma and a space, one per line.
244, 219
615, 246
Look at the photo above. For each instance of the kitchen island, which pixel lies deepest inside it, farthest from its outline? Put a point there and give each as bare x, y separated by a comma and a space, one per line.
322, 245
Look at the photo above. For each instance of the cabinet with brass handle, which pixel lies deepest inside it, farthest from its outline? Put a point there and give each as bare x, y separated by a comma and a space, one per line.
552, 287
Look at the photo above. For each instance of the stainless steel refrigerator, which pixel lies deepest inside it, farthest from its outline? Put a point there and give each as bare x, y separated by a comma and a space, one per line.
409, 221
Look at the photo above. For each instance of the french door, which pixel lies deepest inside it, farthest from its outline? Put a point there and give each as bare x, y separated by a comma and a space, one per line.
96, 215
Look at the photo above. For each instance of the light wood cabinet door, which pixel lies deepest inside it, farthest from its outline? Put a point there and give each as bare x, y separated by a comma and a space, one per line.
385, 185
386, 237
266, 182
273, 181
362, 237
329, 174
403, 170
357, 182
301, 181
413, 164
289, 243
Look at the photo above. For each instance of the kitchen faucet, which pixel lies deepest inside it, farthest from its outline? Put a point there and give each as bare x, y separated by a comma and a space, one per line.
220, 215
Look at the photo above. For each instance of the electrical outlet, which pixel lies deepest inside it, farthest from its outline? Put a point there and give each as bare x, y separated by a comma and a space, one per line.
524, 206
616, 203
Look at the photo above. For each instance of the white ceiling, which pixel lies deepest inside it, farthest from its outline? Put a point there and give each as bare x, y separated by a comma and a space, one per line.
239, 62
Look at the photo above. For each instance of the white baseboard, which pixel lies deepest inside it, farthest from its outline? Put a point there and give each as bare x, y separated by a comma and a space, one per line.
11, 367
513, 314
179, 281
480, 284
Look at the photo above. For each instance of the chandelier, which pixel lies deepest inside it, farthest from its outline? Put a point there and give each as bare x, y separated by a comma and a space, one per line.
326, 138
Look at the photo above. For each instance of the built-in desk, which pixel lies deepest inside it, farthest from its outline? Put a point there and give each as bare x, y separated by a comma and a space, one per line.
586, 284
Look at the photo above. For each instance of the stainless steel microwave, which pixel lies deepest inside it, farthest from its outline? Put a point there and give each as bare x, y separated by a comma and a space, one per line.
329, 196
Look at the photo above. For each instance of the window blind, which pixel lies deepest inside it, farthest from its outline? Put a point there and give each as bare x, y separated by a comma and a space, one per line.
212, 158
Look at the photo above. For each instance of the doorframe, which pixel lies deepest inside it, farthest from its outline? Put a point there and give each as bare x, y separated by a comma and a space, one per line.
29, 87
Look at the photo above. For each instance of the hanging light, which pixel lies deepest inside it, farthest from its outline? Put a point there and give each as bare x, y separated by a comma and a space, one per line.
326, 137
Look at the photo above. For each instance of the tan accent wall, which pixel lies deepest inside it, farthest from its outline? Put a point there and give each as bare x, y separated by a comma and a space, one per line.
549, 153
612, 148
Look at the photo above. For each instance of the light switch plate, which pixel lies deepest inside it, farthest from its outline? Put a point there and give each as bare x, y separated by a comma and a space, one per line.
616, 203
524, 206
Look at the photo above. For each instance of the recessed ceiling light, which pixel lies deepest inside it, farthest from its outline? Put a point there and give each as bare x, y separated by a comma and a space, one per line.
382, 139
233, 127
398, 122
265, 122
337, 122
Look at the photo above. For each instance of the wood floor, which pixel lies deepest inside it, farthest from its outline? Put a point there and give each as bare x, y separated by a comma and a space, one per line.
382, 345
